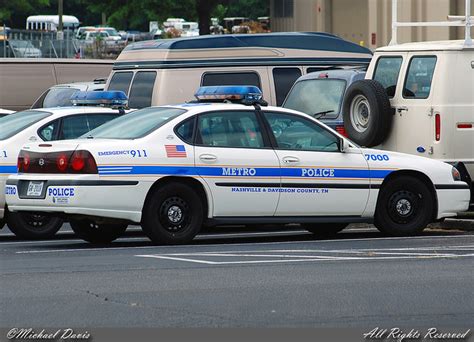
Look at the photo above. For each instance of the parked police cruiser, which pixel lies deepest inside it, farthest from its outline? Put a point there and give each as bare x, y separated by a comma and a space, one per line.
173, 169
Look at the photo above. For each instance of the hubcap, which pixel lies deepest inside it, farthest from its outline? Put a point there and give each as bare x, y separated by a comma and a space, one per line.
35, 220
360, 113
404, 206
174, 214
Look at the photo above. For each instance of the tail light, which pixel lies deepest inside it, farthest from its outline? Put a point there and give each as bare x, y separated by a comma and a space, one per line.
437, 127
341, 130
78, 162
464, 125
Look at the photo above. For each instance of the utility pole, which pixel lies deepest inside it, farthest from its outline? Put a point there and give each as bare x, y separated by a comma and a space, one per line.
60, 33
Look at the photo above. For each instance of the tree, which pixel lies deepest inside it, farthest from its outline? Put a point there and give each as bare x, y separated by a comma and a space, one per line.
21, 9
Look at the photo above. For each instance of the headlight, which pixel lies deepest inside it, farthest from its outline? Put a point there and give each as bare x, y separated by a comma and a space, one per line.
456, 174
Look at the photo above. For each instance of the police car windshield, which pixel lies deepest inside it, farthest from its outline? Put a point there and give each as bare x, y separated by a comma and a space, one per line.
136, 124
17, 122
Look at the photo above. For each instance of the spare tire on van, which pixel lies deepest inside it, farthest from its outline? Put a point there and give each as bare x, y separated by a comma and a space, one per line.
367, 113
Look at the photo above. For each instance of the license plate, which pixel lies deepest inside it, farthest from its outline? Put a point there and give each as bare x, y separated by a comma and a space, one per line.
35, 189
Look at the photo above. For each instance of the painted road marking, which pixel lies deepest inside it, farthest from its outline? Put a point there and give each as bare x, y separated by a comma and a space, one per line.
295, 255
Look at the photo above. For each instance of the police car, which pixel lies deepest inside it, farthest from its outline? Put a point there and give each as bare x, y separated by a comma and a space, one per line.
43, 126
173, 169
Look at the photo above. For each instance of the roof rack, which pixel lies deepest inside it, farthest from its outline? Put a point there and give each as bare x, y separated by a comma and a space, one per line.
466, 21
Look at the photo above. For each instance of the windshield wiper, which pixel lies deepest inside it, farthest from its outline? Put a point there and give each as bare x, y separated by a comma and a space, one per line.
322, 114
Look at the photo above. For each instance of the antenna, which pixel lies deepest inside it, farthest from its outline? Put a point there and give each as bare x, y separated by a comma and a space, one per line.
466, 21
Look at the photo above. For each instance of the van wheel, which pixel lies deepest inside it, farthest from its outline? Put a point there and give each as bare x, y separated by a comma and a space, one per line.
367, 113
173, 214
405, 207
93, 232
30, 225
324, 230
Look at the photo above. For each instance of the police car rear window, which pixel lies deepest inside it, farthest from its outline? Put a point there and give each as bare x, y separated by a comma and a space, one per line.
136, 124
13, 124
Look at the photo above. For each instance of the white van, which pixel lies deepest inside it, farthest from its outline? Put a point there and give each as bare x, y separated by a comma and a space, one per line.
418, 98
169, 71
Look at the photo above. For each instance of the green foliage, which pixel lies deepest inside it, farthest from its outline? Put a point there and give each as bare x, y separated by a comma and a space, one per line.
129, 14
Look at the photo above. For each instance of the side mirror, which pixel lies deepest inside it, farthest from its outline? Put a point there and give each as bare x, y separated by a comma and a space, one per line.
344, 145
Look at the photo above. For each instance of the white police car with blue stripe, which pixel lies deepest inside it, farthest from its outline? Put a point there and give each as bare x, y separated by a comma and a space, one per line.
173, 169
43, 126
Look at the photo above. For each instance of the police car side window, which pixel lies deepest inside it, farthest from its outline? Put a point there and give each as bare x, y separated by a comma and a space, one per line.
293, 132
74, 126
229, 129
185, 130
50, 131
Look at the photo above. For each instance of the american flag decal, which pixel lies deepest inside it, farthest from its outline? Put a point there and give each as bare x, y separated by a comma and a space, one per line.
175, 151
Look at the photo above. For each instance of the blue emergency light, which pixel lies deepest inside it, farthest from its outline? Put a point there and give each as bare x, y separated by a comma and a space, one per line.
244, 94
116, 99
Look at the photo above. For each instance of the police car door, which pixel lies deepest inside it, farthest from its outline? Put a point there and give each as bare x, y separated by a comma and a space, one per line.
235, 159
316, 178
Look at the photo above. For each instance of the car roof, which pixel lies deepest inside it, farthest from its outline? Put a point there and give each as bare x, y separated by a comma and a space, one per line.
345, 74
70, 110
426, 46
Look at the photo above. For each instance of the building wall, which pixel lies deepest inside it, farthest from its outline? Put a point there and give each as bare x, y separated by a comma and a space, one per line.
367, 22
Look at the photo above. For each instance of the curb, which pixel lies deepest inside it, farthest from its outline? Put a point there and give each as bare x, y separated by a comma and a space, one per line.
451, 224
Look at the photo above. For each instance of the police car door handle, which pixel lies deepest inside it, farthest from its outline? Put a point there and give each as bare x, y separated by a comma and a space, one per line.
290, 160
208, 157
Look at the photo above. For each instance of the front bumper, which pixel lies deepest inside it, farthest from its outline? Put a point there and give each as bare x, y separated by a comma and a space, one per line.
452, 199
119, 199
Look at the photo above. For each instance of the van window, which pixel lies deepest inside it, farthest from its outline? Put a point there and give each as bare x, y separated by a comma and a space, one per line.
387, 71
419, 77
284, 78
142, 89
121, 81
231, 78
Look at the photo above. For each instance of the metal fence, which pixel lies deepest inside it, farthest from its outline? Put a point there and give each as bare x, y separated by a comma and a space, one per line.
38, 44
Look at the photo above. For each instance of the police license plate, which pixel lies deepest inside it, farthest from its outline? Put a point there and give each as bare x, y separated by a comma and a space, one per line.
35, 189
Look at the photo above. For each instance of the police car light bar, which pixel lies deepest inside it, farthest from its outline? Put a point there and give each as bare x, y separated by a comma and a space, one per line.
244, 94
114, 99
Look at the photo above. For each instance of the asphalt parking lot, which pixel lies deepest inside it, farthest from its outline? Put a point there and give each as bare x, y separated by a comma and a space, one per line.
263, 278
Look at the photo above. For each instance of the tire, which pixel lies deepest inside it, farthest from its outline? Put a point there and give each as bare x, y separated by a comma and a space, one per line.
2, 223
324, 229
33, 226
367, 113
173, 214
97, 233
405, 207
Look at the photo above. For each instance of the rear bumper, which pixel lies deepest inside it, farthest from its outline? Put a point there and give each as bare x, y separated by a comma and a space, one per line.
99, 198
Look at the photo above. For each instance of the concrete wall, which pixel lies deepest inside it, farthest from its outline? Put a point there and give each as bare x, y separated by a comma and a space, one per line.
368, 22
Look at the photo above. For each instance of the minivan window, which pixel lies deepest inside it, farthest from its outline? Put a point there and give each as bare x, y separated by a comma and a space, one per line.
136, 124
317, 96
387, 71
419, 77
231, 78
15, 123
121, 81
142, 89
284, 78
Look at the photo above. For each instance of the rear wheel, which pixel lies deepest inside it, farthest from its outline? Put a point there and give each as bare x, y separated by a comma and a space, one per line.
405, 207
2, 223
93, 232
29, 225
324, 229
173, 214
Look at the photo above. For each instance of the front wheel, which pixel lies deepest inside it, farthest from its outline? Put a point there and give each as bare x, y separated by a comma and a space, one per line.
173, 214
93, 232
29, 225
405, 207
324, 229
